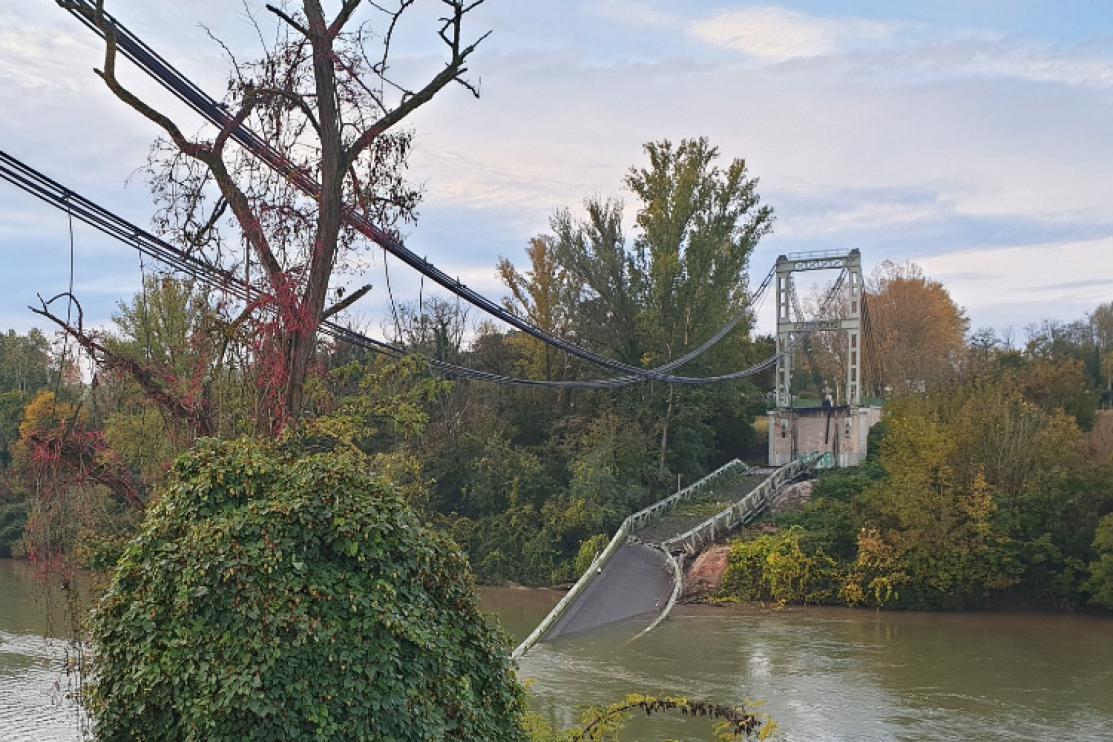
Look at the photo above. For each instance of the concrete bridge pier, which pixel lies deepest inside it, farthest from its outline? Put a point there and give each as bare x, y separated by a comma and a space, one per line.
840, 431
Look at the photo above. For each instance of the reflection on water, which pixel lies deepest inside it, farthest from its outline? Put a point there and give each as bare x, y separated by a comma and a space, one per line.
823, 674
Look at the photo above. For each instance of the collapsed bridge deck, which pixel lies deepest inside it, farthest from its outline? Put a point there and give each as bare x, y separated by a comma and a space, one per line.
638, 573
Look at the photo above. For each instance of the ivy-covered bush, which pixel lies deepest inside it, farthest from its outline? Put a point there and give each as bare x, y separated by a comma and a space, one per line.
270, 597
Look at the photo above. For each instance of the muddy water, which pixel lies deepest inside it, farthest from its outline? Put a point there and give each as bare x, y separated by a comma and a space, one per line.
841, 674
823, 674
34, 687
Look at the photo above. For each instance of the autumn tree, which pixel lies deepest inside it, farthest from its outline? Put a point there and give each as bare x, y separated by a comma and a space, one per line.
537, 296
327, 99
932, 518
918, 330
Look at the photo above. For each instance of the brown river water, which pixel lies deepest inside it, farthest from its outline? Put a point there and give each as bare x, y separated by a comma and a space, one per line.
821, 673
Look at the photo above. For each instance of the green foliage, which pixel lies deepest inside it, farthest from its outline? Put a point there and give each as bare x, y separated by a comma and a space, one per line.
143, 441
779, 568
13, 517
25, 364
271, 596
165, 324
970, 491
589, 549
832, 516
1100, 584
936, 519
602, 723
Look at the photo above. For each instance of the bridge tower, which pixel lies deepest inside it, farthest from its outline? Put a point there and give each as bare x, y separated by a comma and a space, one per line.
841, 426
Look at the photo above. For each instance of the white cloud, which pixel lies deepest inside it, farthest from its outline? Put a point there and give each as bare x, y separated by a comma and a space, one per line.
41, 61
871, 215
776, 34
1028, 62
1014, 285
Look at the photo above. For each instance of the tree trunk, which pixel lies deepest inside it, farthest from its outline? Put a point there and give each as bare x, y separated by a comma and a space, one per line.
303, 337
665, 436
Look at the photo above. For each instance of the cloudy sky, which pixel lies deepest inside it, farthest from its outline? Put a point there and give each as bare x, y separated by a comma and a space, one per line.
974, 137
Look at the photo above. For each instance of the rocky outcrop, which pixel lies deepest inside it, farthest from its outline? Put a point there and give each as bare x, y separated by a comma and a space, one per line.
791, 497
706, 573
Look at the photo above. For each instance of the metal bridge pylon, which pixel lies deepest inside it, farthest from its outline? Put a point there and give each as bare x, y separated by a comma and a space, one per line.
789, 327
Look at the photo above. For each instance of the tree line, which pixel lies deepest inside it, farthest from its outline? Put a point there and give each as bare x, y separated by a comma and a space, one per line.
992, 488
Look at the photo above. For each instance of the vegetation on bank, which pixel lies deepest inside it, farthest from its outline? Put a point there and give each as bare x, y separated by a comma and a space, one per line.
984, 492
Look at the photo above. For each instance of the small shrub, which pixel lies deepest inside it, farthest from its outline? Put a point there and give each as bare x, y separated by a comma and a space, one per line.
589, 549
778, 568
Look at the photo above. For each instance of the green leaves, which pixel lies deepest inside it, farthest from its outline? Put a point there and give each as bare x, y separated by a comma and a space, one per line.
273, 597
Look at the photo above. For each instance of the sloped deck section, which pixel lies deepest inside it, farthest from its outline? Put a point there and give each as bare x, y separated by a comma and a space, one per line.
635, 574
637, 579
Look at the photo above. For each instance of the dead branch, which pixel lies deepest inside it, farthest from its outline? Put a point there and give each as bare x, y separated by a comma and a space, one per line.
293, 24
346, 302
193, 414
450, 32
342, 17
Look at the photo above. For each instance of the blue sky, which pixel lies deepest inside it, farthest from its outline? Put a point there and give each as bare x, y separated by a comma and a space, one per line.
975, 137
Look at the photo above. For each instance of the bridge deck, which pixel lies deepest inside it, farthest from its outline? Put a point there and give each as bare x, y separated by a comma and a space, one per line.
633, 575
696, 510
636, 580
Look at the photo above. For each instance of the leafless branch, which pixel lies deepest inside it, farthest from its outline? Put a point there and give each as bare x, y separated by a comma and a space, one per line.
294, 24
343, 17
255, 24
380, 68
450, 33
227, 52
198, 238
346, 302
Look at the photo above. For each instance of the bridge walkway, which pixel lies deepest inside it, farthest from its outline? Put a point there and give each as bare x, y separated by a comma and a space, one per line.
697, 509
638, 572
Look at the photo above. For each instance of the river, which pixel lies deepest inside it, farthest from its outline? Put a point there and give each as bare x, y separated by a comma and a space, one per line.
821, 673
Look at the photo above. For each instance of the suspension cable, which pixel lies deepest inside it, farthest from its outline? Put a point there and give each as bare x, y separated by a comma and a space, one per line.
135, 49
54, 194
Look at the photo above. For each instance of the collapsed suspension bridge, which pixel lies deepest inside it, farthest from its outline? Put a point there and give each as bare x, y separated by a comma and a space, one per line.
641, 569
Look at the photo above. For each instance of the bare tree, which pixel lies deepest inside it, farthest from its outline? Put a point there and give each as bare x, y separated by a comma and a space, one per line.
434, 327
325, 97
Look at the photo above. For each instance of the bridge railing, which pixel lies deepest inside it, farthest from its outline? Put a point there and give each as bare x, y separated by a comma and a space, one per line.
745, 509
632, 523
558, 610
733, 469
